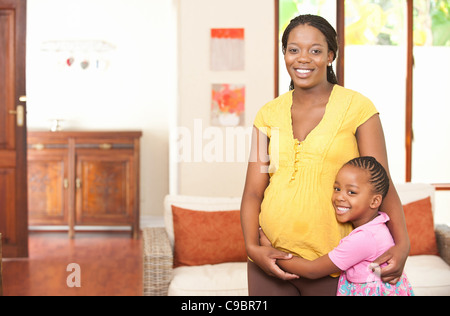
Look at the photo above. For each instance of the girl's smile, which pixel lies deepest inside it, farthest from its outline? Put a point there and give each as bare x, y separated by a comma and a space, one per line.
341, 210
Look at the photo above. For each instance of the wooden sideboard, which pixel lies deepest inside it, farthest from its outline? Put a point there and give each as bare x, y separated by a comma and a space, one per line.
84, 179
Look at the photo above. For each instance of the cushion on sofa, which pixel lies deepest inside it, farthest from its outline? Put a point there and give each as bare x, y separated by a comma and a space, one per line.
225, 279
207, 237
196, 203
428, 275
420, 225
410, 192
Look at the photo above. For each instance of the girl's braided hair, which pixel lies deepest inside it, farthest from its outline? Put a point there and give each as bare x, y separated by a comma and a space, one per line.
378, 175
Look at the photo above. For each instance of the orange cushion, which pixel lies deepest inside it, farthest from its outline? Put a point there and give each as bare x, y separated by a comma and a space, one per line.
209, 237
420, 225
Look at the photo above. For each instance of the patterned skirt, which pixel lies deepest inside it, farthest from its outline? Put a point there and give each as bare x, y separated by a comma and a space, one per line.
375, 288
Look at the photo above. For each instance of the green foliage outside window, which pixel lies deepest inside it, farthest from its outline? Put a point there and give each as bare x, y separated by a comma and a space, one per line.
382, 22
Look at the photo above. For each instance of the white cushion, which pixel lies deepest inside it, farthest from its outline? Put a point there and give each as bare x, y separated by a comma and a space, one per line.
225, 279
410, 192
198, 204
428, 275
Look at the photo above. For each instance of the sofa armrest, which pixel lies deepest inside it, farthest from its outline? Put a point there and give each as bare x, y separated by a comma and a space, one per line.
443, 241
157, 261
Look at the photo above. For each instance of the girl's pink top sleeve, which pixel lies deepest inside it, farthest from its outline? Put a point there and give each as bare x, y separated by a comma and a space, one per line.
353, 249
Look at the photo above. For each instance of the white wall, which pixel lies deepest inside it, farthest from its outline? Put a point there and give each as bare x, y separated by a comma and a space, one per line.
196, 18
136, 92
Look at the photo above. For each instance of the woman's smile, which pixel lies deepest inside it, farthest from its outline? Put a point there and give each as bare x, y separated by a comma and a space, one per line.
303, 73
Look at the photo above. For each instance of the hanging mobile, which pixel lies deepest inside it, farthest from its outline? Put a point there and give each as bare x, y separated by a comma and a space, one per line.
84, 64
70, 61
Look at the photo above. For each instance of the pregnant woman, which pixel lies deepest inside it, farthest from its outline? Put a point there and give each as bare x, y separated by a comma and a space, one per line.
300, 141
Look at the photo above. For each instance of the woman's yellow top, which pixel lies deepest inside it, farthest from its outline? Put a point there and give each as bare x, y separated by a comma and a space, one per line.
297, 214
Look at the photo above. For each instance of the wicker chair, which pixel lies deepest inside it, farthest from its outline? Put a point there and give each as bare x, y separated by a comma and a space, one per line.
443, 242
158, 261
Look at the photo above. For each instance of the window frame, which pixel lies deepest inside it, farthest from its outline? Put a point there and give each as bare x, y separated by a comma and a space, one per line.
340, 73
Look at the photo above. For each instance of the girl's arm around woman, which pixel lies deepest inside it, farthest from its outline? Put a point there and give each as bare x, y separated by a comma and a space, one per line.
371, 142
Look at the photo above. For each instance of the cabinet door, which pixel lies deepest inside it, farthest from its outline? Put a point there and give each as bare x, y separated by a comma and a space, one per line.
105, 188
48, 188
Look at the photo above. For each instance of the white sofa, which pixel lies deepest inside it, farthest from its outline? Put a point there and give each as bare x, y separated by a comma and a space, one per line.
429, 275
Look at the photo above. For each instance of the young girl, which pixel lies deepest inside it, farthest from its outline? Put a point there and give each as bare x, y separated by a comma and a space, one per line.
359, 189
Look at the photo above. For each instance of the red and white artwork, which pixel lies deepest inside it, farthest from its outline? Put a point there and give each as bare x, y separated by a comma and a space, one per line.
228, 105
227, 49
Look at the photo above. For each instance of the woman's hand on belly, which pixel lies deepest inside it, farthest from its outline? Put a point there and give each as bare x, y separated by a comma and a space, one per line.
265, 256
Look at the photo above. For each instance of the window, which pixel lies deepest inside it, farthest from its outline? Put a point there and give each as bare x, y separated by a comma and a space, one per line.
431, 104
375, 45
396, 53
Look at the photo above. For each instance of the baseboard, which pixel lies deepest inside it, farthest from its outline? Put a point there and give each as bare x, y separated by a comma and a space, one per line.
145, 221
152, 221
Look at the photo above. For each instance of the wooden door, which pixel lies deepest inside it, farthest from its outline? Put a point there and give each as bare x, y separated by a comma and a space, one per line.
1, 269
13, 161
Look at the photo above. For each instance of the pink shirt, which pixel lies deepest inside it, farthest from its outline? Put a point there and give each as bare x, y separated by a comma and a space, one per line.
359, 249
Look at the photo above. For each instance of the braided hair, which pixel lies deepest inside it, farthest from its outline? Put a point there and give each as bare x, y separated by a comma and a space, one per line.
378, 175
323, 26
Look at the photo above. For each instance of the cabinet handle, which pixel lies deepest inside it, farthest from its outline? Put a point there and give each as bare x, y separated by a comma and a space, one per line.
66, 184
105, 146
38, 146
78, 183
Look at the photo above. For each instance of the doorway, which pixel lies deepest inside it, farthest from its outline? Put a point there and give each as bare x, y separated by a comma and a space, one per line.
13, 154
